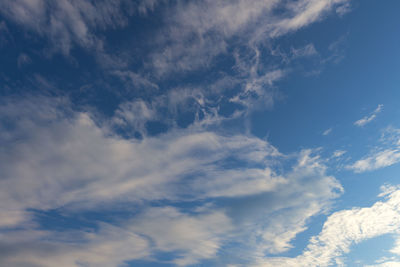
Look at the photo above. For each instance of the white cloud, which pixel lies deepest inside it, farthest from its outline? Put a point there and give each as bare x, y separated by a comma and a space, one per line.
56, 144
270, 224
192, 35
338, 153
386, 264
199, 31
11, 217
392, 261
166, 229
327, 131
387, 154
77, 161
305, 51
195, 237
134, 115
396, 248
109, 246
368, 119
376, 161
303, 13
391, 136
234, 183
53, 157
67, 23
343, 9
135, 79
343, 229
196, 33
257, 88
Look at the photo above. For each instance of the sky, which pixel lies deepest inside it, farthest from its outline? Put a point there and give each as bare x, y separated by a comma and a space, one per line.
199, 133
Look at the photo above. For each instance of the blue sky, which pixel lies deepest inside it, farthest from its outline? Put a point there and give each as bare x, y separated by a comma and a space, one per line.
199, 133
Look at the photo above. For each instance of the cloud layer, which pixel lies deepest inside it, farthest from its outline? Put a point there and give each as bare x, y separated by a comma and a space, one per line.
55, 158
166, 168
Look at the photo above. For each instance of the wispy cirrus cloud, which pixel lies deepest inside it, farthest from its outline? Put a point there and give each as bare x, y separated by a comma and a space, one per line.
327, 132
67, 23
367, 119
191, 37
376, 161
305, 51
302, 13
386, 154
198, 32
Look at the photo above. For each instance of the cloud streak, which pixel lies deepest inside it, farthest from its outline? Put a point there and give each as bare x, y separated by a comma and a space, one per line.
200, 31
383, 156
66, 23
376, 161
367, 119
344, 229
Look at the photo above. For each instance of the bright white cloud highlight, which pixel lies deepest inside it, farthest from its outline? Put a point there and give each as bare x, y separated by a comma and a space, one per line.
387, 155
376, 161
343, 229
368, 119
386, 264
